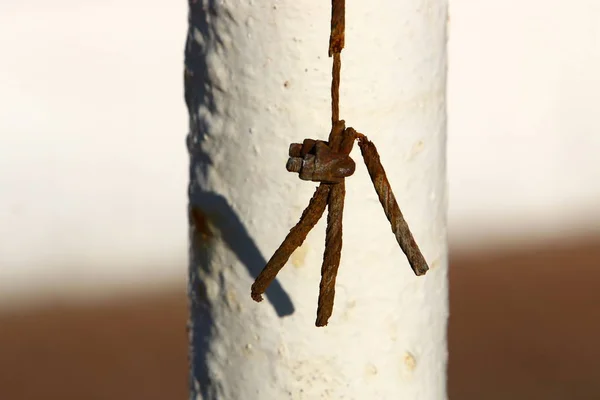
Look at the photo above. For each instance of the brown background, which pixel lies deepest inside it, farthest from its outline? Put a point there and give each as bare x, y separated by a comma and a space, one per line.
525, 324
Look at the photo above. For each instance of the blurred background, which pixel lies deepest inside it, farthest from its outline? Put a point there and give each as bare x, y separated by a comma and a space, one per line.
93, 175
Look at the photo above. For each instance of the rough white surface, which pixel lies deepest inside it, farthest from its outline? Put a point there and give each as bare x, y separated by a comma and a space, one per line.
268, 78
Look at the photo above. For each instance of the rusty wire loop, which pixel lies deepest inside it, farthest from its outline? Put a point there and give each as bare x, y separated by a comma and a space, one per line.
329, 163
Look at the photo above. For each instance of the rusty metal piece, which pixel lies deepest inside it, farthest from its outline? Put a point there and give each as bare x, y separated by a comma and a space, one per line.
292, 241
335, 135
339, 139
333, 238
336, 44
328, 163
332, 255
348, 137
308, 167
302, 149
295, 150
294, 164
310, 216
335, 87
338, 25
321, 164
308, 146
387, 199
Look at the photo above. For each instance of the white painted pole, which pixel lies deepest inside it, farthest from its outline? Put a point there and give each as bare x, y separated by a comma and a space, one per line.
257, 80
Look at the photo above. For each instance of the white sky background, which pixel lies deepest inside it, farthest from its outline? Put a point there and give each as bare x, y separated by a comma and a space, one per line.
93, 165
524, 133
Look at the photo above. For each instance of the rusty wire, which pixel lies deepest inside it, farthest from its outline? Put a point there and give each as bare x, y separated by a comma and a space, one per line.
329, 163
337, 194
387, 199
292, 241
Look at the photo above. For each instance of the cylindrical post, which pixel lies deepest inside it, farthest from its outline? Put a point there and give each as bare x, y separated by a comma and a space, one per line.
257, 79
